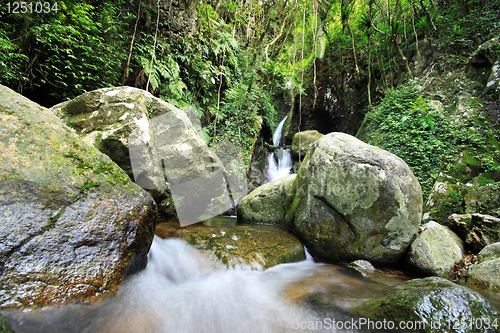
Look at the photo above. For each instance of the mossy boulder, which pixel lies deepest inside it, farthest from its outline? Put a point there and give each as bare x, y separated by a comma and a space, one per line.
489, 252
303, 140
484, 275
436, 305
71, 221
478, 230
436, 250
351, 200
153, 141
245, 245
266, 204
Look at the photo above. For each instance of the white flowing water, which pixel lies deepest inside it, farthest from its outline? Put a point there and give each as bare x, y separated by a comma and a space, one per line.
181, 291
280, 161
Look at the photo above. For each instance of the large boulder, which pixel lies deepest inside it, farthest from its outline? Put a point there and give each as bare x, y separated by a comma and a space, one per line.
153, 141
478, 230
436, 250
71, 221
351, 200
435, 304
266, 204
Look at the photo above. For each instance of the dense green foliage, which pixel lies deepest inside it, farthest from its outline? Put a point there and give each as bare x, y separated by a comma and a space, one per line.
430, 140
230, 67
65, 53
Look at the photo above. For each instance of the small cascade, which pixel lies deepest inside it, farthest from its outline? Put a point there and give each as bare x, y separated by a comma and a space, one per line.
279, 161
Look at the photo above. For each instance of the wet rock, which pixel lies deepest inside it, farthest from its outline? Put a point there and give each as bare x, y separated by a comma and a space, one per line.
437, 303
364, 267
305, 138
266, 204
485, 275
71, 221
478, 230
489, 252
351, 200
436, 250
153, 141
250, 246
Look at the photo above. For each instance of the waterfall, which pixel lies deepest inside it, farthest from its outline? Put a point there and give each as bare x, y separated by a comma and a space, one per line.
279, 161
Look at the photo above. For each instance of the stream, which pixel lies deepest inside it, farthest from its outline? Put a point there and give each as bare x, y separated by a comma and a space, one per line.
182, 291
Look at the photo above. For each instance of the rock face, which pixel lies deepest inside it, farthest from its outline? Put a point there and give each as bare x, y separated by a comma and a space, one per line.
302, 141
449, 307
70, 220
351, 200
436, 250
478, 230
249, 246
153, 142
266, 204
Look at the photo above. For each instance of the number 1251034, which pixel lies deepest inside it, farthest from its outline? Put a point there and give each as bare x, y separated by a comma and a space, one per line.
23, 7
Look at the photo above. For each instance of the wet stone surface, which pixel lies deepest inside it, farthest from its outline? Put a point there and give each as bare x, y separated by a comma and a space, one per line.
238, 245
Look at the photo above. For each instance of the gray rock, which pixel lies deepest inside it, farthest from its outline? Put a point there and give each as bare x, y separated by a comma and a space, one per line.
153, 141
351, 200
485, 275
437, 303
266, 204
489, 252
71, 220
478, 230
436, 250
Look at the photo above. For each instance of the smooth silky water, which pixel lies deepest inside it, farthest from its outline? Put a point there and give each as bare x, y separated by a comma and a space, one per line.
182, 291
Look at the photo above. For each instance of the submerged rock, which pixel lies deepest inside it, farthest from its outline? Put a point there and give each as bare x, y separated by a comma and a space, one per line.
435, 304
478, 230
351, 200
266, 204
250, 246
436, 250
71, 220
